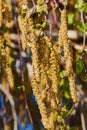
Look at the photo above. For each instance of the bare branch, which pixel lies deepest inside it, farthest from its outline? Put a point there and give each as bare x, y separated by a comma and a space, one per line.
83, 121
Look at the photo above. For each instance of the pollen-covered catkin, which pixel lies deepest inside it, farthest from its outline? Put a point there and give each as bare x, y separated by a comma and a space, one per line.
53, 75
47, 52
54, 72
51, 120
34, 49
0, 12
68, 56
8, 69
23, 28
41, 104
7, 10
9, 74
60, 42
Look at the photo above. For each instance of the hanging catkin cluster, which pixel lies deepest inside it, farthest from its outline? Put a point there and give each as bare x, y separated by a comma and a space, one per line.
37, 89
5, 16
41, 104
5, 57
50, 90
53, 75
36, 64
24, 24
66, 44
46, 61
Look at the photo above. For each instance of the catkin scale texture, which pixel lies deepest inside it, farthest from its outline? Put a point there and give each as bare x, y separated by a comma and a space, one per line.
41, 104
68, 56
9, 74
8, 69
34, 49
23, 28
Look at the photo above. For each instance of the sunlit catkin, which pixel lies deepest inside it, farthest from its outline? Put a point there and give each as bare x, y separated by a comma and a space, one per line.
23, 28
47, 52
54, 71
41, 104
9, 74
51, 120
34, 49
7, 10
0, 12
68, 55
43, 62
60, 42
8, 69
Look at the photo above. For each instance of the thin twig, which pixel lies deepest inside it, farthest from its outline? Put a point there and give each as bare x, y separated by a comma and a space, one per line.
33, 3
83, 121
65, 3
27, 108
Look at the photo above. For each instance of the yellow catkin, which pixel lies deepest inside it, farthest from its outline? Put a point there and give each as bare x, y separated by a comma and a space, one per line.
0, 12
57, 53
8, 69
5, 55
47, 51
9, 74
1, 49
68, 56
7, 10
7, 38
34, 49
52, 74
20, 5
41, 104
43, 62
60, 42
23, 28
54, 69
51, 120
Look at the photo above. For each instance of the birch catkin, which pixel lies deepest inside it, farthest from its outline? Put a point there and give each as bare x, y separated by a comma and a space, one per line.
41, 104
23, 28
34, 49
9, 74
68, 56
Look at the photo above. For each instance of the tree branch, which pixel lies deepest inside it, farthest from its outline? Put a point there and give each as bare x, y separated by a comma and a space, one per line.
10, 98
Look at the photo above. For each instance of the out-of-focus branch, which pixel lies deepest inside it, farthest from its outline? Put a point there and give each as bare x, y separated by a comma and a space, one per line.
10, 98
83, 23
78, 47
83, 121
